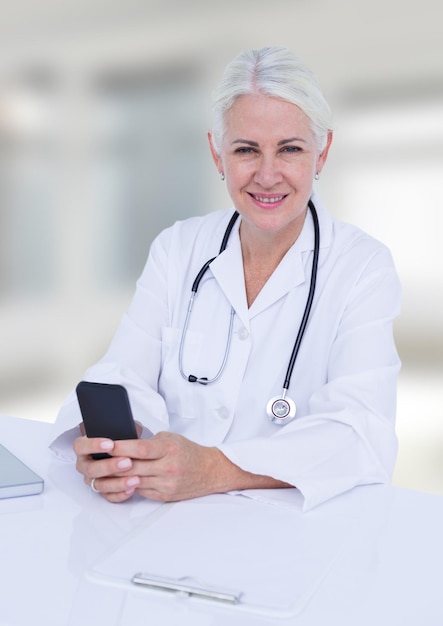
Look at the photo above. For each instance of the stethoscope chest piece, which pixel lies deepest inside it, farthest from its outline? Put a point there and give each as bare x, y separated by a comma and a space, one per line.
281, 410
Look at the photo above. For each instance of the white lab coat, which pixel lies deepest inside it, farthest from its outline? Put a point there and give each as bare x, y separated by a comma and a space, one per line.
344, 379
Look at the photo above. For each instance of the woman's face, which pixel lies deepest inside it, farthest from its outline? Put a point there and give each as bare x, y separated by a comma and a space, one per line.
269, 157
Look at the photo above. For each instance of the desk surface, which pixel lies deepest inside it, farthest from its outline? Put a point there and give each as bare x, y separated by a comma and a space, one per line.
389, 574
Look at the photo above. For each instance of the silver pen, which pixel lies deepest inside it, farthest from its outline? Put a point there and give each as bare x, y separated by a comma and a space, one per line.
190, 588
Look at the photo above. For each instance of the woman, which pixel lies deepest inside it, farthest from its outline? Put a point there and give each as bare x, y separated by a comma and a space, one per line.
271, 138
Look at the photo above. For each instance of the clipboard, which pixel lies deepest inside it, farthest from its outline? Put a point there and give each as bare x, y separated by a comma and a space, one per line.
265, 559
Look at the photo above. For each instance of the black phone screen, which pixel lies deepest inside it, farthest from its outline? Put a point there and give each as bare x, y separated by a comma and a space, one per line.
106, 412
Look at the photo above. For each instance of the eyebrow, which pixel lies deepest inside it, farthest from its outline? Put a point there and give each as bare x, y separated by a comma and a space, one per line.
283, 142
254, 144
291, 140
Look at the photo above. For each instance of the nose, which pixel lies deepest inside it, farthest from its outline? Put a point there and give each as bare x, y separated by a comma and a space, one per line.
268, 172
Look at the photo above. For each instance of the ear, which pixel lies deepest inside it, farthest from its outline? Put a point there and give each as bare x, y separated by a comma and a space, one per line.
215, 156
324, 154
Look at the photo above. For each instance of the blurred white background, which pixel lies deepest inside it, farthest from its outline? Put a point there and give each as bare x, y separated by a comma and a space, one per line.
104, 108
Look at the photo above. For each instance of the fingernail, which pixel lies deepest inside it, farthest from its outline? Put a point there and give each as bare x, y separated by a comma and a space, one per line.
108, 444
124, 463
129, 492
133, 482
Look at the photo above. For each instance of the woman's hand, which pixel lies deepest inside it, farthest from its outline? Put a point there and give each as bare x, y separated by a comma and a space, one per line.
114, 478
167, 468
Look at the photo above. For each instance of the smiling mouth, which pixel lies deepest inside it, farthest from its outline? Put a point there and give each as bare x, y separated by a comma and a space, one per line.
267, 199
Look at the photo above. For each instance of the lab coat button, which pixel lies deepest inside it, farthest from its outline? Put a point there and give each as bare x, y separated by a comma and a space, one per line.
243, 333
223, 412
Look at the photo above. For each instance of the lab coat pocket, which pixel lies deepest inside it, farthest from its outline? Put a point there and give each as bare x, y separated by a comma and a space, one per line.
182, 397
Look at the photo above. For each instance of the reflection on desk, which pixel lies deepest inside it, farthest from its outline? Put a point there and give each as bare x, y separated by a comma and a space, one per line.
371, 556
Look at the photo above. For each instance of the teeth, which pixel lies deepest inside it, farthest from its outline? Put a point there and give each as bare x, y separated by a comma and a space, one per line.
269, 200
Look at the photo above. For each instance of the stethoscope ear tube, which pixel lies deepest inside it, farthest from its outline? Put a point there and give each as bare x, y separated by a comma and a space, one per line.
304, 321
195, 285
282, 410
223, 245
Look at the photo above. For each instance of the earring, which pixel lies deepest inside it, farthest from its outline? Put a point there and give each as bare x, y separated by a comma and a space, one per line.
222, 176
317, 176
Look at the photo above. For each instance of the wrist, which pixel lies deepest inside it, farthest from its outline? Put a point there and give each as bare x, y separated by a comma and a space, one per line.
230, 477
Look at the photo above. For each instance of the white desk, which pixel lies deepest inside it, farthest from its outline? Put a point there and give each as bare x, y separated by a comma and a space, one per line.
390, 574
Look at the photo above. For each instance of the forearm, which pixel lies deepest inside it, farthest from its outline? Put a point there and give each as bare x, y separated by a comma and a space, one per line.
226, 476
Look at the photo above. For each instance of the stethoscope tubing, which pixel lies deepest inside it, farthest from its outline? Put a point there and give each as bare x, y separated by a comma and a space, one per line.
301, 331
304, 321
223, 245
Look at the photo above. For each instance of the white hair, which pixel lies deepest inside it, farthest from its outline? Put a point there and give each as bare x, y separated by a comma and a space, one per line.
277, 72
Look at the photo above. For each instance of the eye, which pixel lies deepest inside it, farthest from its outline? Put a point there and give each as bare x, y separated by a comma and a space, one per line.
244, 150
291, 149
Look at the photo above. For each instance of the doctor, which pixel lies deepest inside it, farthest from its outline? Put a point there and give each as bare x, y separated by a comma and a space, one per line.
283, 372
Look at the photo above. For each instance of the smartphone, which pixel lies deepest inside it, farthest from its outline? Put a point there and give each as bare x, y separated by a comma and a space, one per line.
106, 412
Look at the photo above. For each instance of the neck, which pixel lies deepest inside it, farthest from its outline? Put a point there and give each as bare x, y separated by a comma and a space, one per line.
262, 252
260, 246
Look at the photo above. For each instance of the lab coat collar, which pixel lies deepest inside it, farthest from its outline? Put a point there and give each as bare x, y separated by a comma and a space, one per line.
227, 268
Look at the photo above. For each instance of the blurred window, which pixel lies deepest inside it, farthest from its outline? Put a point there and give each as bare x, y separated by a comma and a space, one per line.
28, 174
92, 167
391, 159
148, 166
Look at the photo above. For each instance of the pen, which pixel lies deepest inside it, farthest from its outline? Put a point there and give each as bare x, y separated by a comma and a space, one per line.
180, 586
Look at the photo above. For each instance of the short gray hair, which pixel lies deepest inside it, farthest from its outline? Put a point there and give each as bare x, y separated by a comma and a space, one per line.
277, 72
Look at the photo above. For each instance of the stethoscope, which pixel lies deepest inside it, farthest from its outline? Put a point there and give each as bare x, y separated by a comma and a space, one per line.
280, 409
